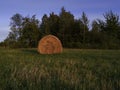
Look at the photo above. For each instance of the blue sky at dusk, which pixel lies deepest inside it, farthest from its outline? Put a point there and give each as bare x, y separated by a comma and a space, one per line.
93, 8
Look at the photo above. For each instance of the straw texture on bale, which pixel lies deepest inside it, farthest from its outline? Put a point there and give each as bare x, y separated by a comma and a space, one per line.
49, 45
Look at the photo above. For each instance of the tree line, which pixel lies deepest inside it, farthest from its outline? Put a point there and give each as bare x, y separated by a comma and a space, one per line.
73, 33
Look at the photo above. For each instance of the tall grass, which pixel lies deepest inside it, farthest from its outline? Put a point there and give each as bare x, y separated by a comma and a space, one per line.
74, 69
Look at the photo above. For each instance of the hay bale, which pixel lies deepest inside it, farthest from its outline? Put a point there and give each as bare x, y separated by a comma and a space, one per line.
49, 45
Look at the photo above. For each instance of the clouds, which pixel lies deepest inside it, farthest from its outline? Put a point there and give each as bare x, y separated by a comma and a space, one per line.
3, 33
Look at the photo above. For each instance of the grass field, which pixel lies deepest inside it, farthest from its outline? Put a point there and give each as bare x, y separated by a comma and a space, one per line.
74, 69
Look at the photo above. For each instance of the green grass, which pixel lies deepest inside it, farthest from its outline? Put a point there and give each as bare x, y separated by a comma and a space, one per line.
74, 69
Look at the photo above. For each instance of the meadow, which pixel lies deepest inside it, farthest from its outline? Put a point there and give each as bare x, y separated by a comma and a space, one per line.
74, 69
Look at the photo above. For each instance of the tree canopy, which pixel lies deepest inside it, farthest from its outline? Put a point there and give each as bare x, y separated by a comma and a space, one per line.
73, 33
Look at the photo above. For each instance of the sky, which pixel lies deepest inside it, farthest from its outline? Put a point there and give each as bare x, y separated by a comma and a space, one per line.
94, 9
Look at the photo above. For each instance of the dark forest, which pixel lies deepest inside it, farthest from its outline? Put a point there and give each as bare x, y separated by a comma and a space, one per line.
73, 33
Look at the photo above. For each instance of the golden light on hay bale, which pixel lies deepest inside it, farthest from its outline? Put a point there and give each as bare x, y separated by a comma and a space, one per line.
49, 45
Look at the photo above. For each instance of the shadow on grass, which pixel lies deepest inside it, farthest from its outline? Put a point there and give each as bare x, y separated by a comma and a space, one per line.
62, 55
31, 51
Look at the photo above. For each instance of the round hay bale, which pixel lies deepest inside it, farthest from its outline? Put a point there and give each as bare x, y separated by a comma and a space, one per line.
49, 45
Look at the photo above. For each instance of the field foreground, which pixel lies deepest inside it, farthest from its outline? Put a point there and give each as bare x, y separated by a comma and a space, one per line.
74, 69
